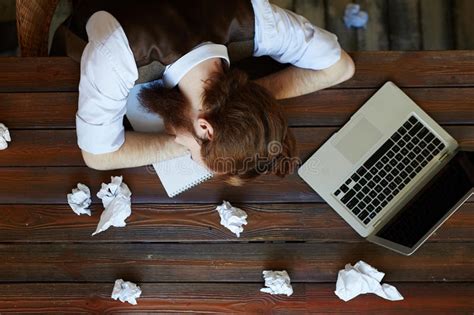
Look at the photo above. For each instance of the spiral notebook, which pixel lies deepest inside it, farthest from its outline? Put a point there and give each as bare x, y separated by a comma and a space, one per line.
177, 175
180, 174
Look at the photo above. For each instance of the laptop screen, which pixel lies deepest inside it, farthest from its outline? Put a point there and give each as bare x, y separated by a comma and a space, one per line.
432, 203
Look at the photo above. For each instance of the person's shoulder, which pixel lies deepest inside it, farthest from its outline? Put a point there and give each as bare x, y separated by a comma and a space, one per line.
261, 4
263, 9
289, 37
108, 57
101, 26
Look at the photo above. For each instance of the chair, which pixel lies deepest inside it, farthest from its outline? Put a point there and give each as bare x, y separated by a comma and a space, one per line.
33, 22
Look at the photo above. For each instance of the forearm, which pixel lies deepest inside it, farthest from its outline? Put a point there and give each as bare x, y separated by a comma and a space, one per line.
293, 81
139, 149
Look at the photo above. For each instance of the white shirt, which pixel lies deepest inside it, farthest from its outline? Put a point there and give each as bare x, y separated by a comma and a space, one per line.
109, 71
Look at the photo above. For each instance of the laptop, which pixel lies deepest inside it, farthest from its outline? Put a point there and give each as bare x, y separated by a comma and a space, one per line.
391, 172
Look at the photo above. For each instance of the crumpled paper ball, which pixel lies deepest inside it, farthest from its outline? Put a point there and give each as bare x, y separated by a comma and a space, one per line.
4, 137
363, 278
126, 291
80, 199
117, 203
354, 16
277, 282
232, 218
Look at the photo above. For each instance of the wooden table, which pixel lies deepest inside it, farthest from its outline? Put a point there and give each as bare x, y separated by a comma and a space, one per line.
176, 249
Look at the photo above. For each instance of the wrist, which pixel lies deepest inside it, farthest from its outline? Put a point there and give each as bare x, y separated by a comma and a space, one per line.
170, 150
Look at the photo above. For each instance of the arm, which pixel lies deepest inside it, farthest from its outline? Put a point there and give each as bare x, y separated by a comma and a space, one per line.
315, 55
294, 81
139, 149
108, 73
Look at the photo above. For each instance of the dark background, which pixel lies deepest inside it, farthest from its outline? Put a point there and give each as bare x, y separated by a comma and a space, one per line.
393, 24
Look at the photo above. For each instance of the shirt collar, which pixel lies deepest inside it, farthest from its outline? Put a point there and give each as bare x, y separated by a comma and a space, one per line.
177, 70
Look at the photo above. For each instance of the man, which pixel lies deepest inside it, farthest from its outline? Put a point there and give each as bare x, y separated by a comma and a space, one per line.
213, 112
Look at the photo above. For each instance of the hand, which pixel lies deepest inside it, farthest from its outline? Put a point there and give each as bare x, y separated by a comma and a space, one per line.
188, 141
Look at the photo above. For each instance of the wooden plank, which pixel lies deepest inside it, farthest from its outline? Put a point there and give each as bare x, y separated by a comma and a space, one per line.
347, 37
334, 107
404, 24
49, 185
38, 110
313, 10
436, 24
38, 74
200, 223
448, 106
463, 24
426, 298
375, 35
434, 68
227, 262
42, 148
27, 185
27, 144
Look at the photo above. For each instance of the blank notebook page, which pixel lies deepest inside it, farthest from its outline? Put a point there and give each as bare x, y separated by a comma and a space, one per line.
178, 174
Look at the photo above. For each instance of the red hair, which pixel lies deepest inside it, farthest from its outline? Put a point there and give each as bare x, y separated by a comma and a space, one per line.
251, 135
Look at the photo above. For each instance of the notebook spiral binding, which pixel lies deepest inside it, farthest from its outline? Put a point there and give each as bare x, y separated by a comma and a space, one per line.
190, 185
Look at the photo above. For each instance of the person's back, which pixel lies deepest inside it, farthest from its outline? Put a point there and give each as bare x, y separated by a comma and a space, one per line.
222, 115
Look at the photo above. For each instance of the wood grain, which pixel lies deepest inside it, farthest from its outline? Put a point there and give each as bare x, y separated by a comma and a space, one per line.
38, 74
28, 185
47, 110
49, 185
375, 35
436, 18
200, 223
347, 37
404, 24
463, 24
41, 147
184, 260
94, 298
412, 69
333, 107
434, 68
227, 262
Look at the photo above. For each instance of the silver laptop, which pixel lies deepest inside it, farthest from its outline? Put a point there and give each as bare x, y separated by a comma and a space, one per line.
391, 172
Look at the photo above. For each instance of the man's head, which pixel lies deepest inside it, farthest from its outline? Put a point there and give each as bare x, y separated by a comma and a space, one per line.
239, 132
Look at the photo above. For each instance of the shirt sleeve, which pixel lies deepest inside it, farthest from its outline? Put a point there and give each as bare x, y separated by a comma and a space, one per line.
290, 38
108, 73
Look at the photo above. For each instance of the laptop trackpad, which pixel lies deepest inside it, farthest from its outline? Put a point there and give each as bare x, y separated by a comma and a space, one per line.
358, 140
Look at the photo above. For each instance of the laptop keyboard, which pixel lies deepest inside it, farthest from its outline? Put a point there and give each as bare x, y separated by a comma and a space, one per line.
368, 190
